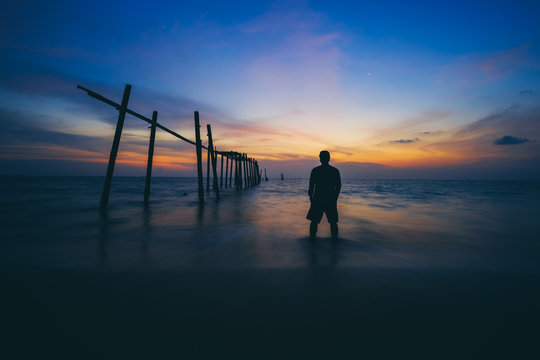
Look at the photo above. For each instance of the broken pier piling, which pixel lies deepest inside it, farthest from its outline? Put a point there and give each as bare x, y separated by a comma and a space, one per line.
246, 170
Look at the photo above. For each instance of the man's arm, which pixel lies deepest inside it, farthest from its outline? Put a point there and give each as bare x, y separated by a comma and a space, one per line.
338, 185
311, 185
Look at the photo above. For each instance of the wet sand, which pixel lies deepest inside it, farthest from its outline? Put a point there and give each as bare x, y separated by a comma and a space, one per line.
292, 313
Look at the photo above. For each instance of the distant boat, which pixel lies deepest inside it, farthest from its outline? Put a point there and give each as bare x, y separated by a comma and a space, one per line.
282, 178
265, 177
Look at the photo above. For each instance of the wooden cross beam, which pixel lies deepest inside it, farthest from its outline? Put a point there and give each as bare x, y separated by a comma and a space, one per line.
137, 115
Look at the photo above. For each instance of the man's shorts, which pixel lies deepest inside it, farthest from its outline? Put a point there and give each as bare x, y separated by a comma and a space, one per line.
317, 209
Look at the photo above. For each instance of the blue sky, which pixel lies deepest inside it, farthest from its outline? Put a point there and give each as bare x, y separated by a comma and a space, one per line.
391, 89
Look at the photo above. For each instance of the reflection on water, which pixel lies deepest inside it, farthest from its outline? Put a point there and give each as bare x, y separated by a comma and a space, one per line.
390, 224
320, 253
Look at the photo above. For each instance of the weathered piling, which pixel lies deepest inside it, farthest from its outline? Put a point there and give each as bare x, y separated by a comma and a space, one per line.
150, 157
231, 173
248, 171
250, 175
226, 170
236, 171
209, 149
198, 149
256, 172
252, 168
240, 181
114, 150
215, 153
246, 178
242, 176
221, 177
213, 159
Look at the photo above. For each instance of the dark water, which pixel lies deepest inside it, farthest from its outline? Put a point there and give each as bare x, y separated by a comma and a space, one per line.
440, 269
55, 222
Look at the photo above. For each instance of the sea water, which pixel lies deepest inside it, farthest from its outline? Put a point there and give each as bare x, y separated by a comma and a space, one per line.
391, 224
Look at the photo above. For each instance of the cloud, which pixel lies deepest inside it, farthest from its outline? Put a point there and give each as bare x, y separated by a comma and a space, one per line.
513, 119
436, 132
510, 140
423, 117
525, 92
473, 143
407, 141
33, 80
505, 62
410, 126
29, 136
476, 69
29, 128
297, 57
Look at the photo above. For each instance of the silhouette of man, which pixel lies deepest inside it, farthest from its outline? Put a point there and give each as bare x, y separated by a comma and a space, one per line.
324, 188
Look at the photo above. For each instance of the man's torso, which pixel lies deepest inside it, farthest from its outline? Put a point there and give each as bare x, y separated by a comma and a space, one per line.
327, 180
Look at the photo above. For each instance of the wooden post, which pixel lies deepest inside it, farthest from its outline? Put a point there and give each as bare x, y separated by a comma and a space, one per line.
213, 159
215, 156
221, 177
233, 170
245, 170
249, 174
232, 166
214, 165
239, 170
238, 159
226, 170
150, 158
252, 172
114, 149
208, 151
246, 160
249, 171
240, 182
258, 177
253, 176
198, 149
255, 172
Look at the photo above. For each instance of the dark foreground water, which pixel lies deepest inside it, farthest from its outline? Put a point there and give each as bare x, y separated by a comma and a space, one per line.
439, 268
55, 222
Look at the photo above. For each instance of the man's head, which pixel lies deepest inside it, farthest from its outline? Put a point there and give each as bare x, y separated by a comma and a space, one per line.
324, 156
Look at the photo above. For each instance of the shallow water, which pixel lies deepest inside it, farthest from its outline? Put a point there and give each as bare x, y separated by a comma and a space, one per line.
392, 224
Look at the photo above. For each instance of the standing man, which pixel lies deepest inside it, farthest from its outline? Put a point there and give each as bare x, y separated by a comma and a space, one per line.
324, 188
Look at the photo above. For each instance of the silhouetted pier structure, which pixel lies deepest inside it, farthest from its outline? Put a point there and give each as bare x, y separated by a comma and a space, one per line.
246, 170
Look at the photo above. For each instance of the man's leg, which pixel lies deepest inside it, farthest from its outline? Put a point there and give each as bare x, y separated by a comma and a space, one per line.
332, 216
313, 229
334, 230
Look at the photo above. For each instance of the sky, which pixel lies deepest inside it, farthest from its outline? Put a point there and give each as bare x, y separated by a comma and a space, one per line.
393, 89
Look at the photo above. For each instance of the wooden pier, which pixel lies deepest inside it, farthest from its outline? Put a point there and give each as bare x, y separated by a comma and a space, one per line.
246, 170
